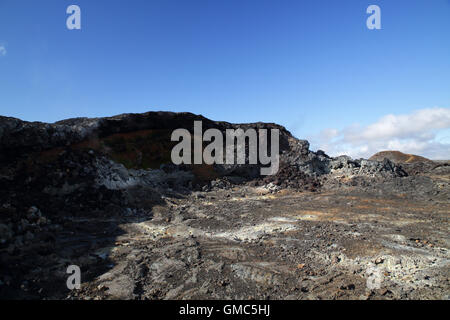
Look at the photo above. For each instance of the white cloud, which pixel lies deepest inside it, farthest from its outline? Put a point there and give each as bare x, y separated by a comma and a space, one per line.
424, 132
2, 51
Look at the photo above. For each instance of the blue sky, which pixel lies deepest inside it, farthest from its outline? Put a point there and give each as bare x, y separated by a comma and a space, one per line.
310, 65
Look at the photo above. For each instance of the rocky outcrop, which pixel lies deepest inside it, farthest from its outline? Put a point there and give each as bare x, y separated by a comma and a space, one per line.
134, 149
86, 165
68, 188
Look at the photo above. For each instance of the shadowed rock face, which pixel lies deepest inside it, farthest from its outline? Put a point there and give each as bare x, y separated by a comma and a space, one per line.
103, 194
17, 136
138, 141
134, 149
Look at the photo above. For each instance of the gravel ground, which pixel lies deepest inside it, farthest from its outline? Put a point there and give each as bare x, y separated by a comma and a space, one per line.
247, 243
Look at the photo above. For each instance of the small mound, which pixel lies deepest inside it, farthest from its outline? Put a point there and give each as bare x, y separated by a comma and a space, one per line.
398, 157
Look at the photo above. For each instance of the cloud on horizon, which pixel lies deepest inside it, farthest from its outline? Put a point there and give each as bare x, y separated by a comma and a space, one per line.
2, 51
424, 132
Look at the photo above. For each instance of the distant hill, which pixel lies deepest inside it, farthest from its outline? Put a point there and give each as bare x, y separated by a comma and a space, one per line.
398, 157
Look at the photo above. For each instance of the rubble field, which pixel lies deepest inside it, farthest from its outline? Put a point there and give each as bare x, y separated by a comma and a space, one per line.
322, 228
